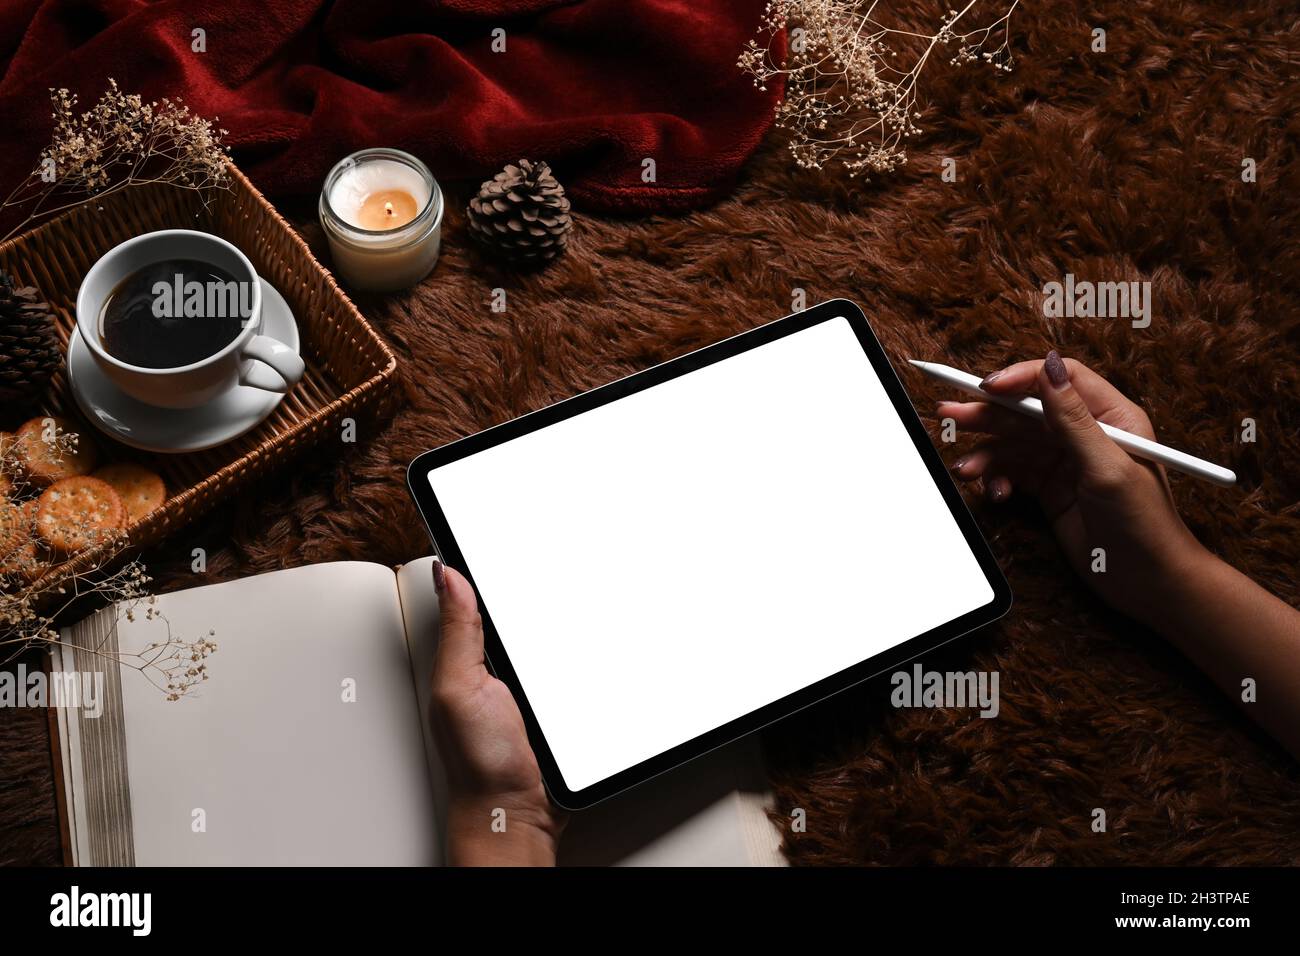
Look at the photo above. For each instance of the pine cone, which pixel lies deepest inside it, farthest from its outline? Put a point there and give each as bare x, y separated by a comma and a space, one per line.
29, 345
522, 213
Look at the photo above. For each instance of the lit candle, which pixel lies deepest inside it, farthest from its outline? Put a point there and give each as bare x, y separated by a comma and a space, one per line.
382, 214
384, 209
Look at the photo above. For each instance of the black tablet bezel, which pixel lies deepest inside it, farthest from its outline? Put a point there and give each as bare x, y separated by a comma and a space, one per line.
449, 551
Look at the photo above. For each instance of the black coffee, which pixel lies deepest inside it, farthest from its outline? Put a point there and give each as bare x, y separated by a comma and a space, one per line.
173, 313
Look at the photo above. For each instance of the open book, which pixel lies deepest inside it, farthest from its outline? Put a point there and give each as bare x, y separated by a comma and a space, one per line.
309, 744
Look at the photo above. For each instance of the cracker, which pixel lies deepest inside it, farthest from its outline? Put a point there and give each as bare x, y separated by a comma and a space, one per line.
8, 463
140, 489
13, 528
45, 462
77, 513
23, 564
29, 509
31, 558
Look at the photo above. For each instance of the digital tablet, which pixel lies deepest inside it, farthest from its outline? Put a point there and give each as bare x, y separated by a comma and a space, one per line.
678, 558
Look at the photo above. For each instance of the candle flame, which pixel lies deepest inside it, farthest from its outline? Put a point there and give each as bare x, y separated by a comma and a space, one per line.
388, 208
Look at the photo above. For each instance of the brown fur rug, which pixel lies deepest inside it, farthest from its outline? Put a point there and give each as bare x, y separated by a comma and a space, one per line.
1122, 165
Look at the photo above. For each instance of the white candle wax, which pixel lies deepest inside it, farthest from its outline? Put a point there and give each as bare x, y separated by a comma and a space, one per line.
381, 259
354, 185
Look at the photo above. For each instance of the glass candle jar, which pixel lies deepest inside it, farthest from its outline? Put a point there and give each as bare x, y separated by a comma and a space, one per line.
381, 210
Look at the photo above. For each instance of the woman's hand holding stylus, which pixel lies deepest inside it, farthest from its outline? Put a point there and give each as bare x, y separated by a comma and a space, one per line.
1093, 493
1096, 496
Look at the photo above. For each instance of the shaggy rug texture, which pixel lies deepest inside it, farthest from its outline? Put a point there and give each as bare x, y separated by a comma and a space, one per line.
1122, 165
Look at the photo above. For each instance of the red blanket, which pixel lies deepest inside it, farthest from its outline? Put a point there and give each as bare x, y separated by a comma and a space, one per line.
595, 86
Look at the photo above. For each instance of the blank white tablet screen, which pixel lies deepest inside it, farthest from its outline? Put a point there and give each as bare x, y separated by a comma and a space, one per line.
670, 561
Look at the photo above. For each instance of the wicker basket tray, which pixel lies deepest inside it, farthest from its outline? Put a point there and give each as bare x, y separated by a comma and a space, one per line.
350, 372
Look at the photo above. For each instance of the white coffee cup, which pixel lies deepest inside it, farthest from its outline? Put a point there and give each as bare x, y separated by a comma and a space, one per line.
242, 362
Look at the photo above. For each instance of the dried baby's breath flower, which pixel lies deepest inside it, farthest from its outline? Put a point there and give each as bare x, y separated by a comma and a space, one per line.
847, 99
31, 601
121, 141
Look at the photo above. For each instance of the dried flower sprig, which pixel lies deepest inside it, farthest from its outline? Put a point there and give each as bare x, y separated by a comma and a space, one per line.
846, 99
122, 141
172, 665
30, 607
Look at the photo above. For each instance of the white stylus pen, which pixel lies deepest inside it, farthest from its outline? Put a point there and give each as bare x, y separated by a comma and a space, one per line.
1133, 444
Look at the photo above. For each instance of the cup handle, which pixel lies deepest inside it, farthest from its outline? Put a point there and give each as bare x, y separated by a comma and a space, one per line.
287, 365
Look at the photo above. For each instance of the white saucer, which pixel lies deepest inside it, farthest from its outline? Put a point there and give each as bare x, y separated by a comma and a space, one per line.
170, 430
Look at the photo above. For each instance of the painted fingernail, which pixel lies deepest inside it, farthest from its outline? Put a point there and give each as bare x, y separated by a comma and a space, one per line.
439, 576
1000, 489
961, 463
1057, 373
990, 379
